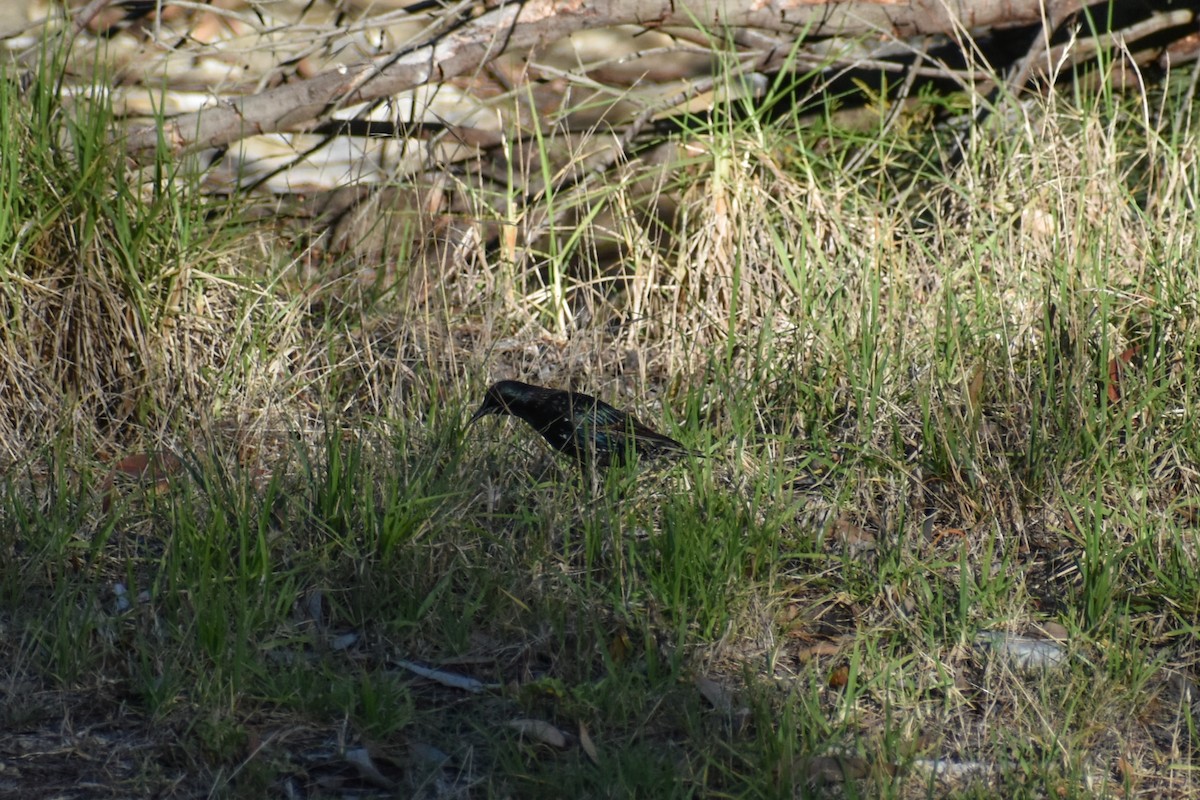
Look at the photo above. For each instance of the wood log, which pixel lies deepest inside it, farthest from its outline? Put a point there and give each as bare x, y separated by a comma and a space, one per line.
471, 43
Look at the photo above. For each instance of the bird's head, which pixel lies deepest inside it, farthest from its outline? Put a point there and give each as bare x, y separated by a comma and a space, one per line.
500, 399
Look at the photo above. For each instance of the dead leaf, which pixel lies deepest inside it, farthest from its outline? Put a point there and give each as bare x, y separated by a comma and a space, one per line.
825, 647
450, 679
852, 535
122, 595
1125, 770
942, 533
367, 770
1054, 630
715, 693
620, 647
343, 642
975, 390
830, 770
839, 677
587, 745
314, 606
149, 469
1023, 653
541, 731
1188, 511
1116, 373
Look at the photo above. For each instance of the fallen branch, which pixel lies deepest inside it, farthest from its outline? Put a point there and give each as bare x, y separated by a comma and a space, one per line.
471, 44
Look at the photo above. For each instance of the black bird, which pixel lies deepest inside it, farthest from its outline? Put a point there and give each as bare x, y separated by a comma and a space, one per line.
577, 424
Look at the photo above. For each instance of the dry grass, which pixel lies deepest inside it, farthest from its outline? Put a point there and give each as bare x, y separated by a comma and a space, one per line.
921, 425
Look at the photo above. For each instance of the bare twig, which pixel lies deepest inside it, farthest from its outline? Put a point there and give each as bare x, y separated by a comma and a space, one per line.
1055, 16
469, 44
893, 114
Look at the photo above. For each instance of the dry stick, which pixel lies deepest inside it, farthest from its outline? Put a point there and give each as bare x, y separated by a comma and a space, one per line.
454, 17
320, 145
87, 14
1051, 21
599, 164
529, 23
298, 105
1081, 49
893, 114
604, 161
873, 58
582, 76
1187, 104
963, 77
82, 17
1058, 14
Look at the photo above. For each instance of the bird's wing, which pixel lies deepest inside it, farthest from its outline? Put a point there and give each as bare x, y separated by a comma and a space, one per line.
602, 415
604, 423
656, 440
621, 426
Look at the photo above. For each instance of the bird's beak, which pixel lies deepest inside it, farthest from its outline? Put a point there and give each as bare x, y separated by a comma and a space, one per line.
478, 415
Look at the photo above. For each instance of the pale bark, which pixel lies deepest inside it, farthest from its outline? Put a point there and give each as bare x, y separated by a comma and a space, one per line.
519, 27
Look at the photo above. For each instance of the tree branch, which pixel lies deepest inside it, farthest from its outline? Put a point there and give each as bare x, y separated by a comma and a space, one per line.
530, 23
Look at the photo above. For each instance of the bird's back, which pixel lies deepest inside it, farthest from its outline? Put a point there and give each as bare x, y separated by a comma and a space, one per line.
608, 435
590, 430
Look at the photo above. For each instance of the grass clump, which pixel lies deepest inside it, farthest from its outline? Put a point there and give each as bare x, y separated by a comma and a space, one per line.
127, 305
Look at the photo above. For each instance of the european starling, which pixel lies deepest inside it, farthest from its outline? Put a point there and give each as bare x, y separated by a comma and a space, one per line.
576, 423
